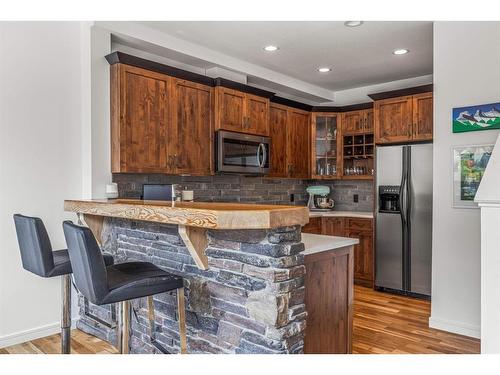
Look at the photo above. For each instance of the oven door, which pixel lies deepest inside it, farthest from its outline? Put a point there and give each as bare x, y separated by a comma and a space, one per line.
242, 153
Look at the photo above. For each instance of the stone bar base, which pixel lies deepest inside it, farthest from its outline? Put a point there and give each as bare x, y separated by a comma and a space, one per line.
250, 300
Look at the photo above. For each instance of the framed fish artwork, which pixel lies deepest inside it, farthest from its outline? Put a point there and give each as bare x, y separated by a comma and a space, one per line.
478, 117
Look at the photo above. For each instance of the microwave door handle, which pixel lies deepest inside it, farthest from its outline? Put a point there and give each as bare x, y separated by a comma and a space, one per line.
264, 155
258, 155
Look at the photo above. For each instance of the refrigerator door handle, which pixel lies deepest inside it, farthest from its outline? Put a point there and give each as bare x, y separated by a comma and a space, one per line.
402, 189
408, 194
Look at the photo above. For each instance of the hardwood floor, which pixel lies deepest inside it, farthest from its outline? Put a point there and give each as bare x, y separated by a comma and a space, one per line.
383, 324
386, 323
81, 343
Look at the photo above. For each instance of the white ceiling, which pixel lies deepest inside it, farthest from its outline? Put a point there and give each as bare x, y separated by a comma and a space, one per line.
359, 56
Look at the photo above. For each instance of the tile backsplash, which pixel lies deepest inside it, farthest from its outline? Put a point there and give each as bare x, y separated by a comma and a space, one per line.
251, 189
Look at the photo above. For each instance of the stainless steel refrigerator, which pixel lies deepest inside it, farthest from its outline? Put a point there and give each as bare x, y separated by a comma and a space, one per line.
403, 244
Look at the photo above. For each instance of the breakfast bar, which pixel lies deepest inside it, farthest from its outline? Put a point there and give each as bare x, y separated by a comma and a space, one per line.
243, 268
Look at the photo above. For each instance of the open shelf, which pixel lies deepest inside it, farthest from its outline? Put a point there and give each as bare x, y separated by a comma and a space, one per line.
357, 152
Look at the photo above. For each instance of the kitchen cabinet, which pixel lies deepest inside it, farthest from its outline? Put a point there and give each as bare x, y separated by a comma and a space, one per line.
333, 226
140, 120
314, 226
422, 116
403, 119
329, 292
192, 128
356, 122
359, 228
159, 124
278, 120
363, 257
326, 144
298, 151
290, 153
241, 112
357, 145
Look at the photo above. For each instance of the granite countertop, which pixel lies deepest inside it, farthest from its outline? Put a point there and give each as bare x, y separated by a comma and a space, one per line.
316, 243
195, 214
359, 214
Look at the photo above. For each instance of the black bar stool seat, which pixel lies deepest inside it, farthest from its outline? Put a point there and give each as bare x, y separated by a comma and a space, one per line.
138, 279
122, 282
38, 258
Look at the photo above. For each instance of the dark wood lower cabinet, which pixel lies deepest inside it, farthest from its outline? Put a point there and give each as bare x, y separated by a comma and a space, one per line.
329, 300
354, 228
363, 258
314, 226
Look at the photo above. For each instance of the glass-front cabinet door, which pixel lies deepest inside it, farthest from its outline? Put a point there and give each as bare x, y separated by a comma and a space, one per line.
326, 157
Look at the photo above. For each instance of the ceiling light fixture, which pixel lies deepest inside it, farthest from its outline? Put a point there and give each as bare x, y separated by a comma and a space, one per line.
324, 70
271, 48
353, 23
400, 51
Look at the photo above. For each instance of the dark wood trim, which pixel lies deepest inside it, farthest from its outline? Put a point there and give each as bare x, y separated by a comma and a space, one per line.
326, 109
123, 58
357, 107
345, 108
291, 103
227, 83
402, 92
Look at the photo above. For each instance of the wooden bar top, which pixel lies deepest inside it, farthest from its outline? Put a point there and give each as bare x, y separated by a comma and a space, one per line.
195, 214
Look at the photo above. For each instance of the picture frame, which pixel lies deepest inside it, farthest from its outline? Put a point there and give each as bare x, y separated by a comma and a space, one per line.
476, 118
469, 164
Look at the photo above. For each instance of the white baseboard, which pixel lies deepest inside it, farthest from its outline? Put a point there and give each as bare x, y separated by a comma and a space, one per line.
32, 334
455, 327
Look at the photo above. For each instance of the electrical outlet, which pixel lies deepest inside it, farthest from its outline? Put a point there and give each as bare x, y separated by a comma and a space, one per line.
356, 198
292, 198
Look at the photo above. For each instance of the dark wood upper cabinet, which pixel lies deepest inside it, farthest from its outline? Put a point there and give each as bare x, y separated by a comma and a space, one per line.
403, 119
368, 120
140, 115
257, 114
422, 116
241, 112
192, 128
393, 120
289, 132
299, 152
353, 122
159, 124
278, 117
229, 109
326, 144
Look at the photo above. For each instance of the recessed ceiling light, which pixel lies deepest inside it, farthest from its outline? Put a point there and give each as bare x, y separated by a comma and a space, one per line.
400, 51
353, 23
324, 70
271, 48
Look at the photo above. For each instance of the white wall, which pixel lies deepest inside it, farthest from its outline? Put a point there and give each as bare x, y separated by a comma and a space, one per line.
466, 72
100, 136
41, 98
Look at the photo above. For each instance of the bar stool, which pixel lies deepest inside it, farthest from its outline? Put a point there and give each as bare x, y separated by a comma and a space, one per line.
120, 282
37, 257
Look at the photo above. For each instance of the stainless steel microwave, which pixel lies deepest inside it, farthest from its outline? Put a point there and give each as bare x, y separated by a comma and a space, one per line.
242, 153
